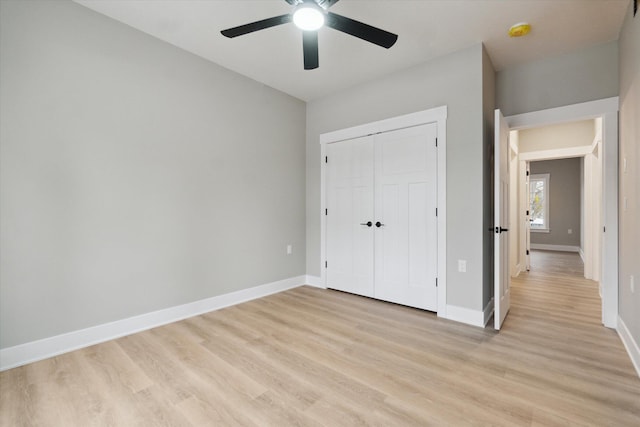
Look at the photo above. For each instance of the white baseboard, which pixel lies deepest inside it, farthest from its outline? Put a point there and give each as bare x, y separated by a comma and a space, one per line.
560, 248
630, 344
22, 354
581, 253
314, 281
466, 315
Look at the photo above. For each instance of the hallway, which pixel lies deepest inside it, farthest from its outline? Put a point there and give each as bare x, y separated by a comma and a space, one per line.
556, 288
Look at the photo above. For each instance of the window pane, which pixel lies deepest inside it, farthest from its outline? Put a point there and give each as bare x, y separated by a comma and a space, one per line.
537, 197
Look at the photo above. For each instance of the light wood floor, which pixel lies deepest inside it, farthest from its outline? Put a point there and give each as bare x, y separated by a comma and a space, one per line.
313, 357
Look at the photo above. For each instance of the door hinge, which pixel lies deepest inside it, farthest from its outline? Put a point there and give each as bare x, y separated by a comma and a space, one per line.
436, 282
527, 213
527, 251
326, 211
527, 173
325, 264
326, 159
604, 229
436, 211
436, 142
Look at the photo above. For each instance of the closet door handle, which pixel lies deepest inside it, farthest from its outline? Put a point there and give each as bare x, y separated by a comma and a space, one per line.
368, 223
379, 224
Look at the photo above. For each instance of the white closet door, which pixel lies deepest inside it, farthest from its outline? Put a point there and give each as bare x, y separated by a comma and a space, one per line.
349, 205
406, 255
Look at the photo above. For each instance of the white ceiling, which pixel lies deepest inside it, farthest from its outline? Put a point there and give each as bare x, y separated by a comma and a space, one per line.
426, 29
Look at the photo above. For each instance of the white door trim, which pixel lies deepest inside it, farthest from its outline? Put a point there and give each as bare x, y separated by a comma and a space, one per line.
569, 113
558, 153
436, 115
608, 110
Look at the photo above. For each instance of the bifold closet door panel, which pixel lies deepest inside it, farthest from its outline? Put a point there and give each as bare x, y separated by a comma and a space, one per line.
349, 192
405, 204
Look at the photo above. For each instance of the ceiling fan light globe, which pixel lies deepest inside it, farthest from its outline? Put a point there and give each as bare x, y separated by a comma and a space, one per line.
308, 17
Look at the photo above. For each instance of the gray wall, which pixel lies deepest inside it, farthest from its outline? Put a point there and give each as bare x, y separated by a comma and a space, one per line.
564, 201
455, 81
629, 308
581, 76
134, 176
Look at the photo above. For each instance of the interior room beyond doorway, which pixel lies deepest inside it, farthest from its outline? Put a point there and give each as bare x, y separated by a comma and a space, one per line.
555, 205
557, 193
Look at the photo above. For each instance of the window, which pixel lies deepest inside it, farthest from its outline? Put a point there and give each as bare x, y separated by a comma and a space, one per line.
539, 202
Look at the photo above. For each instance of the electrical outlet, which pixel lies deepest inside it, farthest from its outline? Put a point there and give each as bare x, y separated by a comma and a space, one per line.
632, 284
462, 266
289, 249
570, 231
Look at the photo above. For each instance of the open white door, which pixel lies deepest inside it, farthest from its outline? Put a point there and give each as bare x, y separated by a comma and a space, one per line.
502, 281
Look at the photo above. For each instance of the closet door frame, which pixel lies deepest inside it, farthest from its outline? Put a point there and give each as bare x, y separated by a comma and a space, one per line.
436, 115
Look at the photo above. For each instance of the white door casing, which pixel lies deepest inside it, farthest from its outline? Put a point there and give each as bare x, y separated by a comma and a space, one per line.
609, 236
502, 278
515, 265
593, 183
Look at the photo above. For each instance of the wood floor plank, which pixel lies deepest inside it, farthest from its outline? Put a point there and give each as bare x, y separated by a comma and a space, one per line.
314, 357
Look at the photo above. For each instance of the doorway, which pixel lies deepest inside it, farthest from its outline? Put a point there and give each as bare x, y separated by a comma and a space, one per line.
562, 221
563, 204
599, 244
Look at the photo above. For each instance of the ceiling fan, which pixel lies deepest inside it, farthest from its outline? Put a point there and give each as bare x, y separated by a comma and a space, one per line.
310, 16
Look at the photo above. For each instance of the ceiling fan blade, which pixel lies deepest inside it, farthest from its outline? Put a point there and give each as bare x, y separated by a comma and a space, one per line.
310, 49
326, 4
256, 26
361, 30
